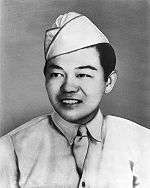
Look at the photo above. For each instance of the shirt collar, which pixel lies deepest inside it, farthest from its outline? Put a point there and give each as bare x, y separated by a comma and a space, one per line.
95, 126
69, 130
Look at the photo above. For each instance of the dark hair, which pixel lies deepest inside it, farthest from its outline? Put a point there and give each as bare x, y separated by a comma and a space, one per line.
107, 58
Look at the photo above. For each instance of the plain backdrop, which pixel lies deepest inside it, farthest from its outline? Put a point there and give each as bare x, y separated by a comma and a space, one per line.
23, 24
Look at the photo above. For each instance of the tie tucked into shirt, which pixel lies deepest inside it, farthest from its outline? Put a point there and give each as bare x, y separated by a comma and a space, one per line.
80, 147
87, 154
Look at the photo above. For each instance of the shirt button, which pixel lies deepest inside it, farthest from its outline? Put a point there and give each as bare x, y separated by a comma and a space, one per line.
83, 184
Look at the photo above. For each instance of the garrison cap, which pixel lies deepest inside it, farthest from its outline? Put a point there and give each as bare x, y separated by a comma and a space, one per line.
70, 32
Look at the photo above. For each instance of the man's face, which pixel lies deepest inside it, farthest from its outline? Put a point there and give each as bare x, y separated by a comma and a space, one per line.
75, 84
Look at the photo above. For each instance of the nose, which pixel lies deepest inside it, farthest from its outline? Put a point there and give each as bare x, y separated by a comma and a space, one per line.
69, 86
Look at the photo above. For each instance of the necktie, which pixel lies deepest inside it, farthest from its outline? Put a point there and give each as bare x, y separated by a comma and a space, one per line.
80, 147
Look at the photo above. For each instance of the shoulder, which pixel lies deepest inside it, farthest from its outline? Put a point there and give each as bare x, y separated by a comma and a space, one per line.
31, 126
126, 131
21, 141
122, 124
35, 128
127, 137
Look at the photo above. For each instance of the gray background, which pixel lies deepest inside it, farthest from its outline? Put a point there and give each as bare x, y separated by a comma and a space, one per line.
23, 23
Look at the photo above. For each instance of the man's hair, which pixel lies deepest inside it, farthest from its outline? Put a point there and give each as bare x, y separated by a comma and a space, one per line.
107, 59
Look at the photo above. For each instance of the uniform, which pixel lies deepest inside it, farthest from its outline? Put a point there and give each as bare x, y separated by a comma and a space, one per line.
38, 154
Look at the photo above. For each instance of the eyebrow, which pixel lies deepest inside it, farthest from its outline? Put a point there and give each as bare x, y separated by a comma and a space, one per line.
87, 67
53, 66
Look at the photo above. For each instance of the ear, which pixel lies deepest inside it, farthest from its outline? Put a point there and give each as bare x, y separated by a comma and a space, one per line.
111, 82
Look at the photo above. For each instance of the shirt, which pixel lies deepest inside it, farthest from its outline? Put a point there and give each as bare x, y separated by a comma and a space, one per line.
38, 155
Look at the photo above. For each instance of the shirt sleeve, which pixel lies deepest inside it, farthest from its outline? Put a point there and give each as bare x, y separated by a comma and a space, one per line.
8, 167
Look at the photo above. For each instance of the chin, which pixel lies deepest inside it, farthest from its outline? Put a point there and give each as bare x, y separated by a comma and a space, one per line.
78, 117
71, 116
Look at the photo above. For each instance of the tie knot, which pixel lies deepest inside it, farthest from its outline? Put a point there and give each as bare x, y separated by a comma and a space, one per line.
82, 131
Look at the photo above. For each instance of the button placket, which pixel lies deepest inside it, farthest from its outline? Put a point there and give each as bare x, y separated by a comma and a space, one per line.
91, 165
83, 183
80, 147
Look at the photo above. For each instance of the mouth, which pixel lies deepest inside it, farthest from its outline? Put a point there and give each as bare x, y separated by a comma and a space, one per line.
70, 101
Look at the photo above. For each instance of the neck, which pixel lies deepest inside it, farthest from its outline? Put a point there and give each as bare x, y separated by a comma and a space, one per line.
88, 118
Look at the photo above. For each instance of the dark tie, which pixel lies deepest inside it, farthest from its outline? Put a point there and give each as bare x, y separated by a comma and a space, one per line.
80, 147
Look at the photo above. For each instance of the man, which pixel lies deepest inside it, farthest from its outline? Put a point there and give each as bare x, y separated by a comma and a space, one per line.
76, 146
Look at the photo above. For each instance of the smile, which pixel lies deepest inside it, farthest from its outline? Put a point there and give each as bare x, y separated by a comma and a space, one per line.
70, 101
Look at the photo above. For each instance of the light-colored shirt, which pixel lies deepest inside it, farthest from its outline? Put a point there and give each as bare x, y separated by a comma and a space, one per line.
38, 154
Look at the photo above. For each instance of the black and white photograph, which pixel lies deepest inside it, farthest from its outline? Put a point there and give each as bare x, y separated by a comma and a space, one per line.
74, 94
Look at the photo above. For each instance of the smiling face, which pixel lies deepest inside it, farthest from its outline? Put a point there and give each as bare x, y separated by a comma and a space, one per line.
75, 84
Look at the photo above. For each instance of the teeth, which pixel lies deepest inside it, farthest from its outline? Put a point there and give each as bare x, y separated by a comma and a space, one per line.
70, 101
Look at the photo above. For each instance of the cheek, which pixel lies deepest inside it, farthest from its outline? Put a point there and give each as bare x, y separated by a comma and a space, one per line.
52, 88
100, 83
96, 93
94, 87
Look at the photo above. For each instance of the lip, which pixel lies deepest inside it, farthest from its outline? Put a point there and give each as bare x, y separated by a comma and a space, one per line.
70, 102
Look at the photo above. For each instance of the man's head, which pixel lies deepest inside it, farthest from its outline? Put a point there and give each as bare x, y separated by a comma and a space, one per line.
78, 74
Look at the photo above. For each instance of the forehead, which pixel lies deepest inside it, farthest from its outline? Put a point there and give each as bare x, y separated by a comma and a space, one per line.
82, 57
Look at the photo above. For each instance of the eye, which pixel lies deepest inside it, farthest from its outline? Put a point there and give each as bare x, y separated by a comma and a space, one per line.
81, 75
55, 75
